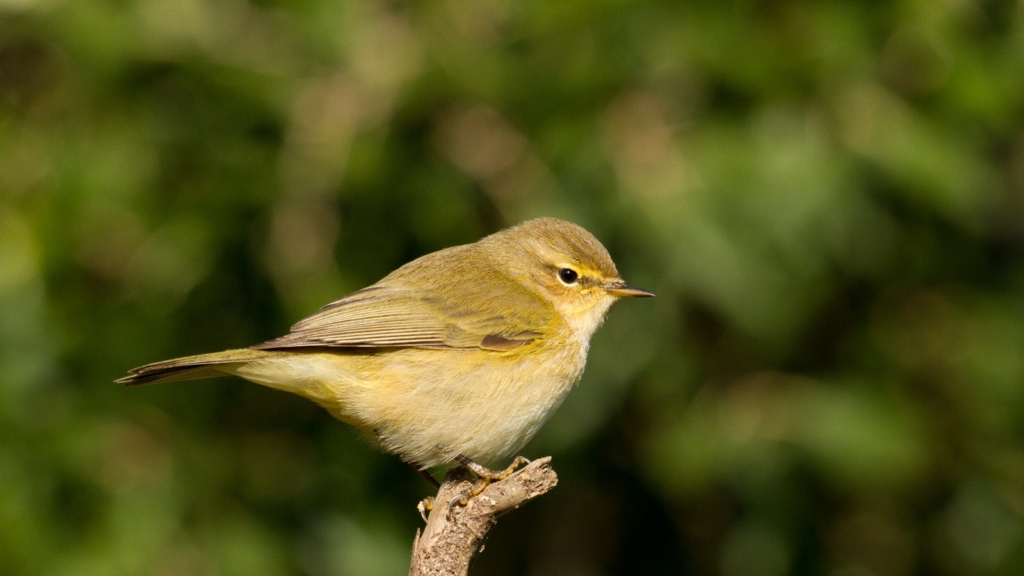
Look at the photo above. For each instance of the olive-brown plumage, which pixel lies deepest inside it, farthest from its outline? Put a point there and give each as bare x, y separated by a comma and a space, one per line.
463, 352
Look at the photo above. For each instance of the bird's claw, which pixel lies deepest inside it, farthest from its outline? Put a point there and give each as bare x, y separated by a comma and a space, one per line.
461, 499
519, 461
426, 505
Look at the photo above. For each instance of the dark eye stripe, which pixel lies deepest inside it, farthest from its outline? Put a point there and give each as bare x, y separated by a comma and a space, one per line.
568, 275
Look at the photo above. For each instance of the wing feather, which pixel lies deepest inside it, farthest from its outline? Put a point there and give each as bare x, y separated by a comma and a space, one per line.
443, 310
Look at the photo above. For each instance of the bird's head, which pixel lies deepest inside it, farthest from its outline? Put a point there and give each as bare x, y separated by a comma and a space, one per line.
568, 266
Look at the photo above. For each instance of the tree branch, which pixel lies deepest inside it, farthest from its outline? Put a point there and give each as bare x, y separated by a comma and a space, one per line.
450, 540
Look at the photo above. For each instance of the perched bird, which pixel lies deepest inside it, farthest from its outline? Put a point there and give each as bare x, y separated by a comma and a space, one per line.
458, 356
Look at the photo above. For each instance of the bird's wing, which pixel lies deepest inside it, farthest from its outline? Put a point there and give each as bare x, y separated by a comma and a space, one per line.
448, 313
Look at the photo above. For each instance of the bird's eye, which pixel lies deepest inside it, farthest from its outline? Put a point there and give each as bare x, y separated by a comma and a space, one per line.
568, 276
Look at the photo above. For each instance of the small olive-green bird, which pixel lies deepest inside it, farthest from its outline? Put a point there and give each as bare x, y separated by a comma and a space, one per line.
458, 356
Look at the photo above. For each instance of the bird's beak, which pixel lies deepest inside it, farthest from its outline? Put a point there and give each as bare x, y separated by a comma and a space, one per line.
620, 289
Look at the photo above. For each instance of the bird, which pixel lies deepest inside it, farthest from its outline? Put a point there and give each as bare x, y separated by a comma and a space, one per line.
457, 357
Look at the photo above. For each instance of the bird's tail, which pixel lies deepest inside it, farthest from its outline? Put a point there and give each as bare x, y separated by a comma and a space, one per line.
193, 367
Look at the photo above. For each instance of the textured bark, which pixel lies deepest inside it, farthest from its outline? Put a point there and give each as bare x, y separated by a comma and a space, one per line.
450, 540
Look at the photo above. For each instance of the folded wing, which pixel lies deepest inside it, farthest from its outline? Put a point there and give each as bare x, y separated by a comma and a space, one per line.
442, 311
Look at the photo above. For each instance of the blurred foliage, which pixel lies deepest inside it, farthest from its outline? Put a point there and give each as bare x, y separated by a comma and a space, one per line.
828, 198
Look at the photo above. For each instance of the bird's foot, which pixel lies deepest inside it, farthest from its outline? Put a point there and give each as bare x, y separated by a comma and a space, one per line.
484, 478
425, 505
485, 473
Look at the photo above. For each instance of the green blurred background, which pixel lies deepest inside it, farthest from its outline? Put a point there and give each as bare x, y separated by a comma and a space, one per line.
827, 197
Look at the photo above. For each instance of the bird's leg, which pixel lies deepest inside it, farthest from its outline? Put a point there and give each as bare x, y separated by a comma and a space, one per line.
484, 477
427, 504
426, 475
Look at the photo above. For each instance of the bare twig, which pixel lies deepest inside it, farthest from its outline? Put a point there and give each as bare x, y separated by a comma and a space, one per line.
451, 539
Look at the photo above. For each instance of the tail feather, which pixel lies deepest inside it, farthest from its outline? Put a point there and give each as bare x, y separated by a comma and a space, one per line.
191, 367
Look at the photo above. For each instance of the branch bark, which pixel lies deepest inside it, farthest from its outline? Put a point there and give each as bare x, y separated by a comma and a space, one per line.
450, 540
